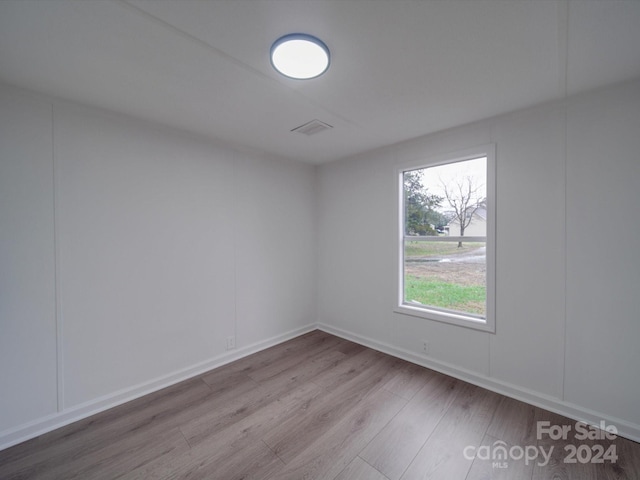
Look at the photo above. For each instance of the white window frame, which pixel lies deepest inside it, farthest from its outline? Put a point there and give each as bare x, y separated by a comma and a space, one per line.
488, 323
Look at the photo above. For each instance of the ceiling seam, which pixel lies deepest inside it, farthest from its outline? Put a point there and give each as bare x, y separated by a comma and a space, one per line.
563, 47
187, 36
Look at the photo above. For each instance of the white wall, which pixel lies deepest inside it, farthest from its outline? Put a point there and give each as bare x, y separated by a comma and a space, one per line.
567, 324
165, 245
27, 270
603, 253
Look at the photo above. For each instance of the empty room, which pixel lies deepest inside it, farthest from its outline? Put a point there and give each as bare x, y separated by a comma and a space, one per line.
319, 239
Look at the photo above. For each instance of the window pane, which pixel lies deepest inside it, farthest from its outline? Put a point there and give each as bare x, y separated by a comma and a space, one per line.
446, 268
445, 276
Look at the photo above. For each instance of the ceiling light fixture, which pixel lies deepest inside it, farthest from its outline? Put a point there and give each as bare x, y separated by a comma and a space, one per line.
300, 56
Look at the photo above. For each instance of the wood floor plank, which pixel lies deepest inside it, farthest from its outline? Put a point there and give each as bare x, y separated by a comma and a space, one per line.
200, 427
394, 448
514, 422
90, 435
337, 376
232, 440
328, 454
291, 437
265, 357
117, 458
465, 423
358, 469
209, 423
305, 371
409, 380
255, 462
290, 361
351, 348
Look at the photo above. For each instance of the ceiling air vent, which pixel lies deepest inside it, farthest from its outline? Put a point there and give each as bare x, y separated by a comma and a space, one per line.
312, 127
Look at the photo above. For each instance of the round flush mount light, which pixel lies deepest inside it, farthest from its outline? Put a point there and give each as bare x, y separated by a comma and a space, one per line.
300, 56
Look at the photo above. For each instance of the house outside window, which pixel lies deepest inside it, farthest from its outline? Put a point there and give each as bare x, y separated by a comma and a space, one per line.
446, 240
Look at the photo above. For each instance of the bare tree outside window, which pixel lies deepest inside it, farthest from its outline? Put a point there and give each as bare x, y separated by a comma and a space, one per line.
465, 195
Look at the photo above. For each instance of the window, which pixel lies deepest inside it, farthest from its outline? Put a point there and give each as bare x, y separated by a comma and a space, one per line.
446, 241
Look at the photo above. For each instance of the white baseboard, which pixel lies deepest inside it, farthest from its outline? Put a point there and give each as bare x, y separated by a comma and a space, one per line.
46, 424
576, 412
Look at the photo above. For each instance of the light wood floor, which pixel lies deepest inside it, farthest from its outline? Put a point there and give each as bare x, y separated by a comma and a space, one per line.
316, 407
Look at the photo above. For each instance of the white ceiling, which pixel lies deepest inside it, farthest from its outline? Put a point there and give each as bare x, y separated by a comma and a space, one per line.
400, 68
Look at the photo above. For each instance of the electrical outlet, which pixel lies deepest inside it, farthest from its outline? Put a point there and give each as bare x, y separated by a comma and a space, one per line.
425, 347
231, 343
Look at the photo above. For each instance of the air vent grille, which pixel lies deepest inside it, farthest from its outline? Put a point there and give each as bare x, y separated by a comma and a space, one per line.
312, 127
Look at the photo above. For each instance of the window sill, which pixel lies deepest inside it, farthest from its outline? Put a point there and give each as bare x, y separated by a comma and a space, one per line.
452, 318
